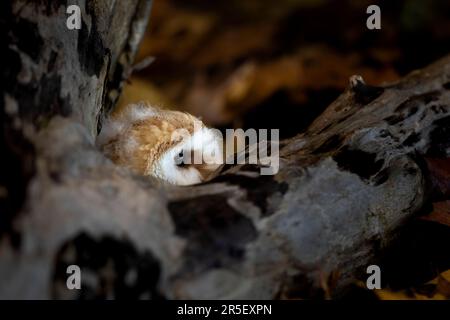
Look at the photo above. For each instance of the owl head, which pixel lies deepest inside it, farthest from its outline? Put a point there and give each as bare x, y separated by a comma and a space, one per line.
173, 146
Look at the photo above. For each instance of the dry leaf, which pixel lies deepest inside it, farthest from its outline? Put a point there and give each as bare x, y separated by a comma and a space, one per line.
440, 213
436, 289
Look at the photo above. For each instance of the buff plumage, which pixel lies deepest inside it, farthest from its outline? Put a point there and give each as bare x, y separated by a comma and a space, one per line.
157, 142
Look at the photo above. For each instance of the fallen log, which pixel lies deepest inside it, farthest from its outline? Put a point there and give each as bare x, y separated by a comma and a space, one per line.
345, 187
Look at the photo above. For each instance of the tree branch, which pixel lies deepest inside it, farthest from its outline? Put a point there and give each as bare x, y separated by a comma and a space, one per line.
344, 187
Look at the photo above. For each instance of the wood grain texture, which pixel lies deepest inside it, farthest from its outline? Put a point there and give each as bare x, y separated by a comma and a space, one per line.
344, 188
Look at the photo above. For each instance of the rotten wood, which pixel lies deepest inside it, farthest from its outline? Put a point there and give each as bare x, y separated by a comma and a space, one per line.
344, 188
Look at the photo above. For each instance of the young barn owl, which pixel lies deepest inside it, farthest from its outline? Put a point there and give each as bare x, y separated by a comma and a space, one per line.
170, 145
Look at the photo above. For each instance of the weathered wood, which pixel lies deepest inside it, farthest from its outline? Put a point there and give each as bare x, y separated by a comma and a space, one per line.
344, 187
47, 71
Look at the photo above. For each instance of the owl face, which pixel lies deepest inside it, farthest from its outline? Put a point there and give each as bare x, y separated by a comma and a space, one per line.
192, 160
173, 146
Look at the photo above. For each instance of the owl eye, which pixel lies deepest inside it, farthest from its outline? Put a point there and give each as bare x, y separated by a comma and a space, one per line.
179, 159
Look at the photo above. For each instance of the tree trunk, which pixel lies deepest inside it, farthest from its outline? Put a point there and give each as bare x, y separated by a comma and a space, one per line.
344, 188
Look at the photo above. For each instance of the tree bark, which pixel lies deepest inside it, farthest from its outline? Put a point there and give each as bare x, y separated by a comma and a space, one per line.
344, 188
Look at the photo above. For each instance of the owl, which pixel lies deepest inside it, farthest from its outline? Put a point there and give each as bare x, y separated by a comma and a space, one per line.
170, 145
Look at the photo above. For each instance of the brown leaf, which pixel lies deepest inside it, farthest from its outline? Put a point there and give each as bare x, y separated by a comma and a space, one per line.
440, 213
443, 286
436, 289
